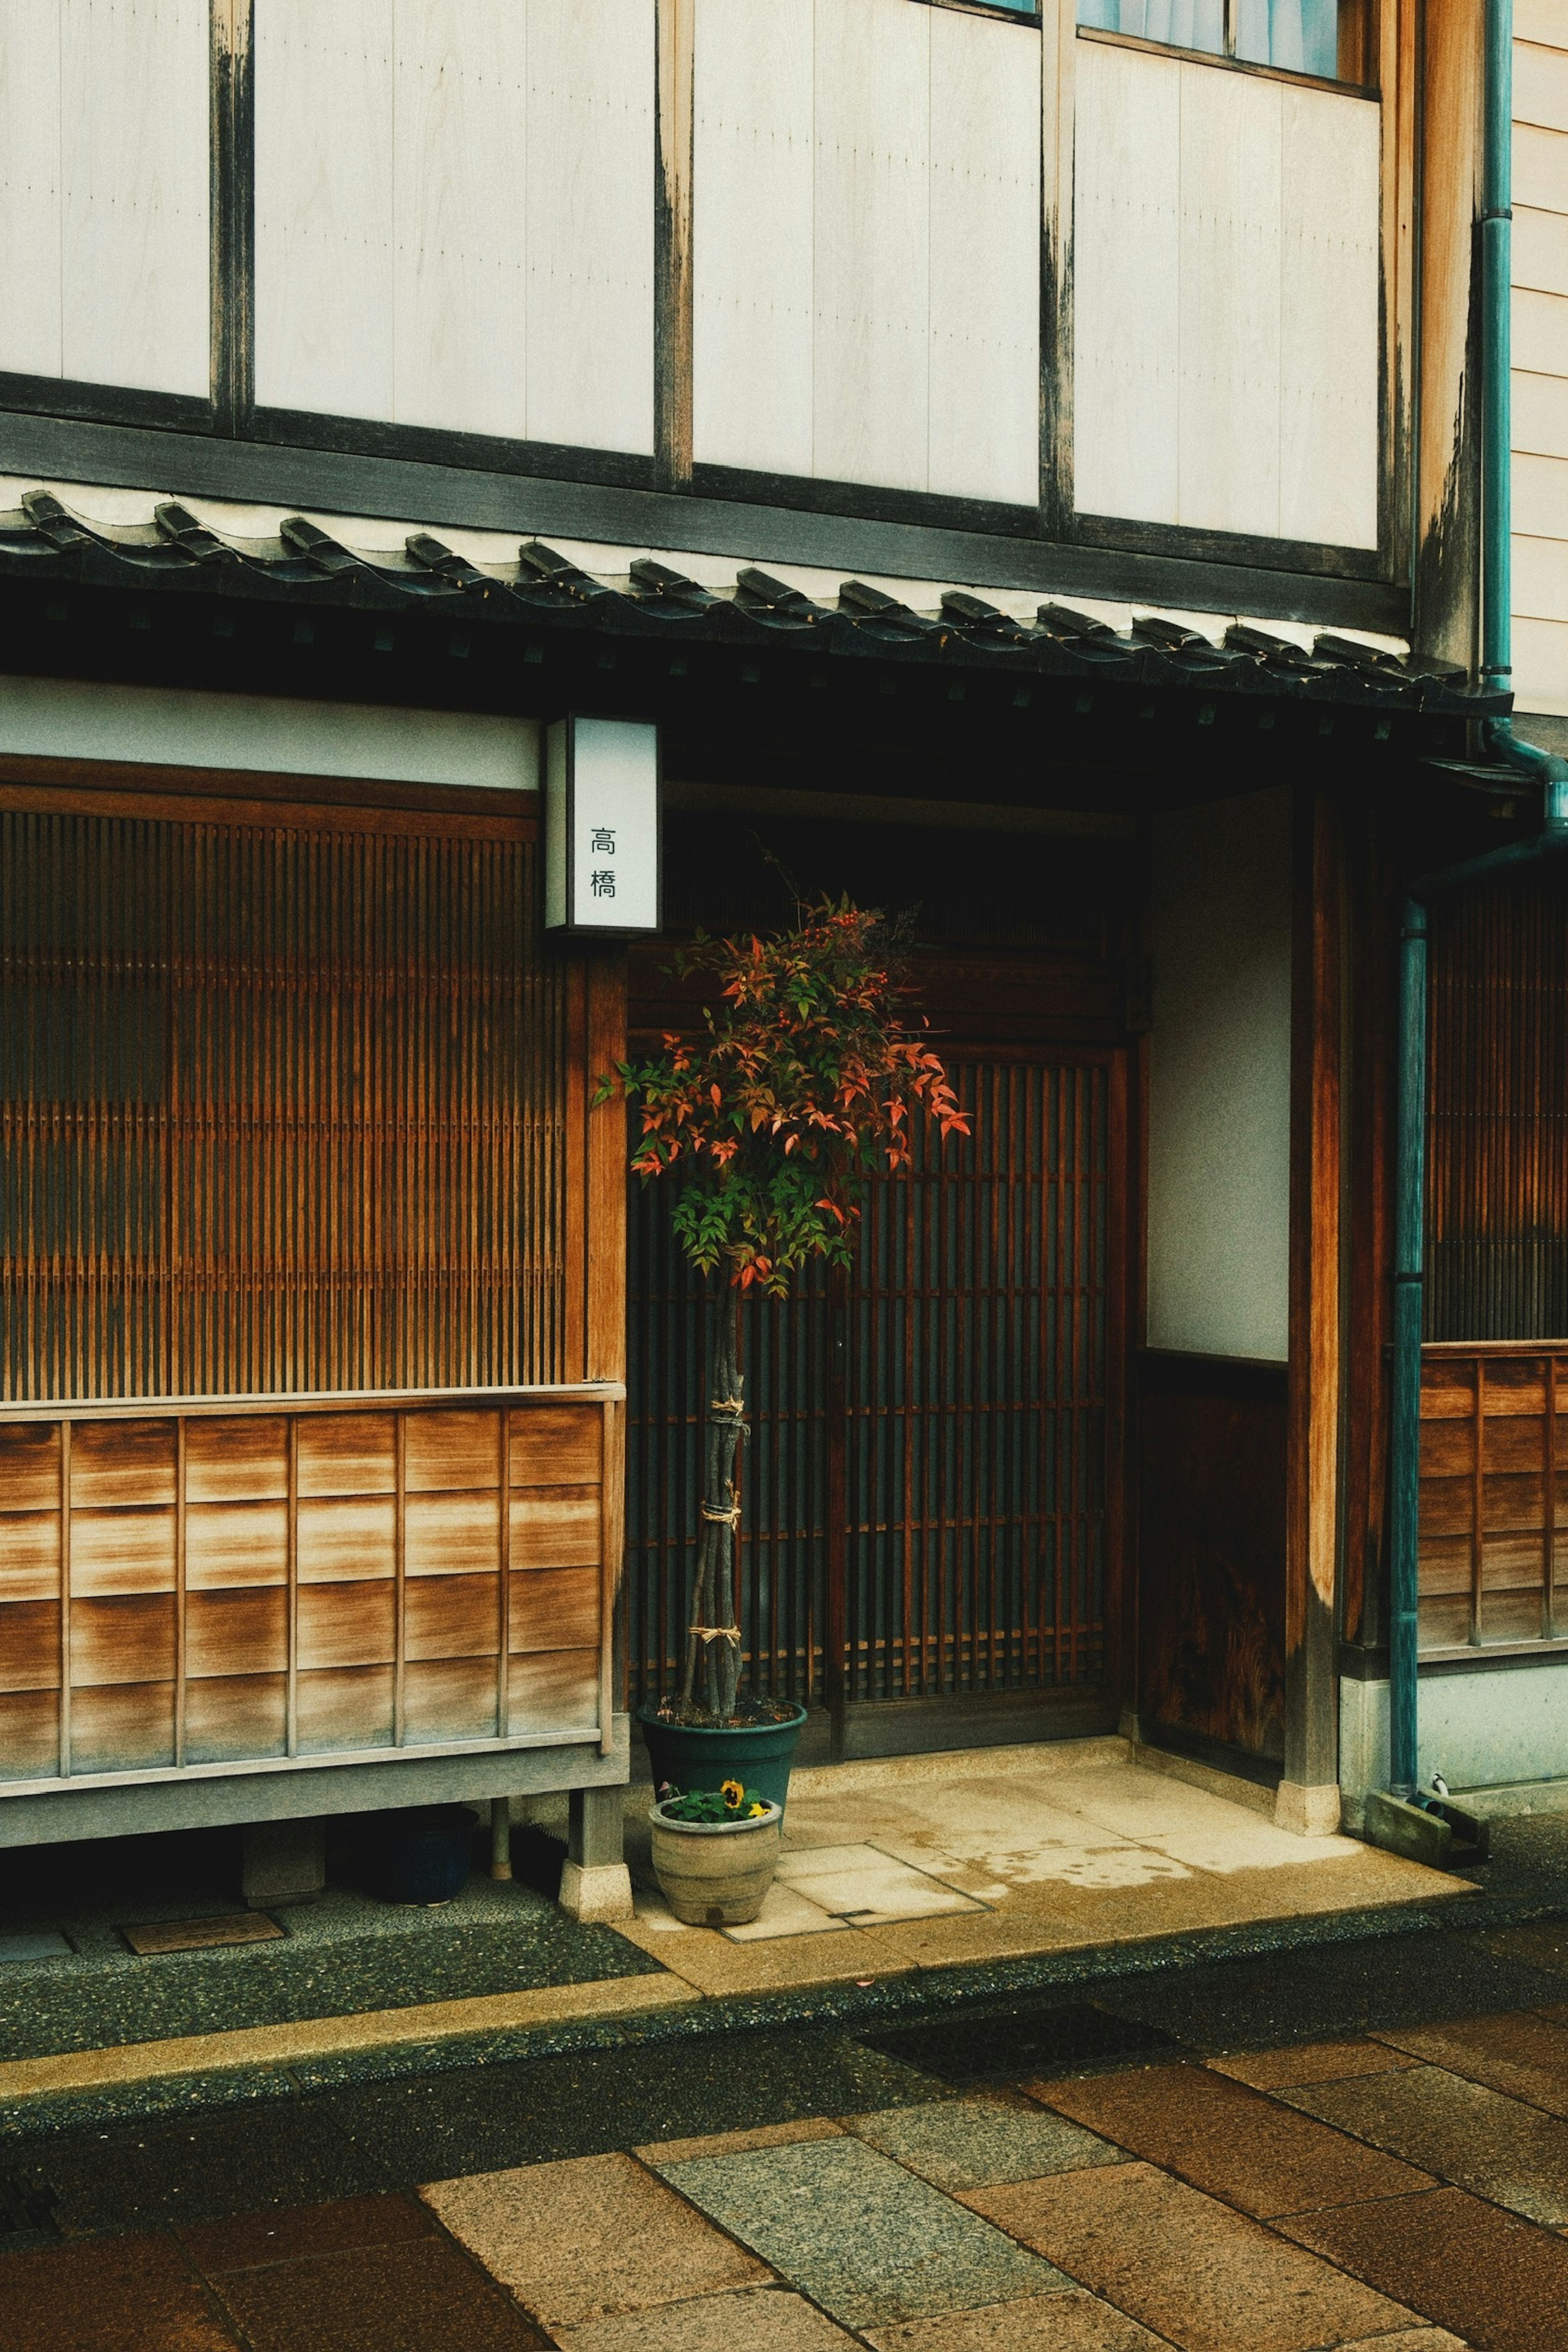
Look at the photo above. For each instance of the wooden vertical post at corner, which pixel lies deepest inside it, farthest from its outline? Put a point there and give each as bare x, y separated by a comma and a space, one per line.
603, 1277
677, 52
1308, 1793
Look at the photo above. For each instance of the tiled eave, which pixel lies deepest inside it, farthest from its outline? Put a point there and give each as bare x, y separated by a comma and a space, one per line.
304, 566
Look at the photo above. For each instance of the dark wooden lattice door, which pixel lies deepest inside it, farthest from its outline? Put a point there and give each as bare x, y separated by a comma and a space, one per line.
927, 1497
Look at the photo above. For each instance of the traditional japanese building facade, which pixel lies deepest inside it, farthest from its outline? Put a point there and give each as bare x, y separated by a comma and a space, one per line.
1028, 470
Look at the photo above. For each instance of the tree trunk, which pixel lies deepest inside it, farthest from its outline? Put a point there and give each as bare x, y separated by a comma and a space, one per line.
713, 1639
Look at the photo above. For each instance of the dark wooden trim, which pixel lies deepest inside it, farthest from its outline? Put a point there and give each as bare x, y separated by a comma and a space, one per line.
275, 800
676, 53
836, 1533
605, 1169
1120, 1605
233, 217
575, 1243
1170, 1372
1171, 1740
1485, 1659
435, 445
1187, 544
913, 1727
1226, 65
74, 402
1314, 1384
1056, 277
1447, 456
865, 501
1027, 17
343, 482
1369, 1268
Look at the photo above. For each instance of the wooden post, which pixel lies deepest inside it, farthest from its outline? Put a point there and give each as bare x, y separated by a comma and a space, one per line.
1308, 1798
676, 48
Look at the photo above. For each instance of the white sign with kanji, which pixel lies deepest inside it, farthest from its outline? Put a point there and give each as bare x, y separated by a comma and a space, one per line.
601, 817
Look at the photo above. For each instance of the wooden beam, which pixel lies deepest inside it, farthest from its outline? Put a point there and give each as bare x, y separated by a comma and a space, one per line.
1447, 459
676, 50
1308, 1793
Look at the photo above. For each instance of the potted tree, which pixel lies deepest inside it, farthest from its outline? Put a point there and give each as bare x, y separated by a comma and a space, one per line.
770, 1120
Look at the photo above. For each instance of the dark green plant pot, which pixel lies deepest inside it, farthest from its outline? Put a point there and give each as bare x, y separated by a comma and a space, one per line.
686, 1756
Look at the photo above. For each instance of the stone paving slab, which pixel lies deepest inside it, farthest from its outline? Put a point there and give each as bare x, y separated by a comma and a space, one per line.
1231, 2141
1195, 2271
425, 2296
1499, 2283
591, 2238
1518, 2052
121, 2294
1313, 2061
757, 2319
978, 2143
1471, 2136
859, 2235
1075, 2322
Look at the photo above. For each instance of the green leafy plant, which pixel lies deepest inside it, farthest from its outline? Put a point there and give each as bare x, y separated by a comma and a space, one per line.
771, 1120
706, 1806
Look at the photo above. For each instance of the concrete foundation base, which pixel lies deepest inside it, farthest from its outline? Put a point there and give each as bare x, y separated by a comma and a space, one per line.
597, 1894
595, 1883
1310, 1811
282, 1862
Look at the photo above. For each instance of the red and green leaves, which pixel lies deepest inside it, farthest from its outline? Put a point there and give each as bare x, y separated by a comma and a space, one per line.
804, 1086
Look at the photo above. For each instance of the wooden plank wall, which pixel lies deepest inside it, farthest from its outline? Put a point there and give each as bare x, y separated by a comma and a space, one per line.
867, 256
1493, 1566
200, 1587
104, 192
1540, 356
454, 215
1226, 291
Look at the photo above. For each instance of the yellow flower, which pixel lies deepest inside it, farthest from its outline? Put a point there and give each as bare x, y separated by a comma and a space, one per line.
734, 1795
756, 1813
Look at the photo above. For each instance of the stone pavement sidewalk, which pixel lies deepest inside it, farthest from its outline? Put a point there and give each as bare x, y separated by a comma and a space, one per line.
1406, 2189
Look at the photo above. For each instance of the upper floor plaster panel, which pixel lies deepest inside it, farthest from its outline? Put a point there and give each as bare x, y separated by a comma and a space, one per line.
456, 230
1540, 356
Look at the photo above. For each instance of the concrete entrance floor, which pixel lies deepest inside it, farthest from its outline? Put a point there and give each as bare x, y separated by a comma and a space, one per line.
995, 1854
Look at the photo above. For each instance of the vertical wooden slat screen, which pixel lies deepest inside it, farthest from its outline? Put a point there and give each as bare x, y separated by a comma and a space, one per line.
282, 1111
206, 1587
1493, 1564
1498, 1203
973, 1429
976, 1377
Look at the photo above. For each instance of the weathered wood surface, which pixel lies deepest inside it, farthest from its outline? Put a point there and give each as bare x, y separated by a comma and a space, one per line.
209, 1585
1493, 1564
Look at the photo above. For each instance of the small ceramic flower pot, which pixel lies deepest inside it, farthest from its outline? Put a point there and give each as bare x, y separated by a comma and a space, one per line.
715, 1873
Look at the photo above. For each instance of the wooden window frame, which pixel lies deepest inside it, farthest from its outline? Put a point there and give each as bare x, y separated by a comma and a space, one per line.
1357, 47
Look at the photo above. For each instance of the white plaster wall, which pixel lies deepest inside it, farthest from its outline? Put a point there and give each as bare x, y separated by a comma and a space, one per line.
1219, 1100
65, 719
1480, 1730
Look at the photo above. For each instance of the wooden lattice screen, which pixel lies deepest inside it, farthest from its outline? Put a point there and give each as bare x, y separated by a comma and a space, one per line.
281, 1110
966, 1432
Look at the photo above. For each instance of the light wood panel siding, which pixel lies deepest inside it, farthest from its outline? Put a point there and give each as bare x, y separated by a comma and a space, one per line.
1226, 292
866, 245
282, 1110
454, 220
1541, 359
212, 1586
1494, 1497
104, 192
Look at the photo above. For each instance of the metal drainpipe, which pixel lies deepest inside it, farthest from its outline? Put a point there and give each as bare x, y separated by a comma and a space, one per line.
1526, 760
